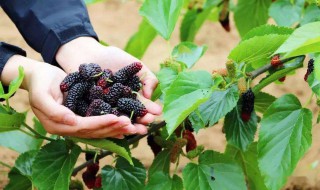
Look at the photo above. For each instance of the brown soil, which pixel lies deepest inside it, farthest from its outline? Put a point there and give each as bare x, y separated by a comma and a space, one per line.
115, 22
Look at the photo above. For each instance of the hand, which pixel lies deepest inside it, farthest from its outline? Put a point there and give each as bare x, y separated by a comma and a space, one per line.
43, 83
88, 50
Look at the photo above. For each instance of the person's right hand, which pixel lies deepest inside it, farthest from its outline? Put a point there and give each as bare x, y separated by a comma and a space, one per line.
43, 83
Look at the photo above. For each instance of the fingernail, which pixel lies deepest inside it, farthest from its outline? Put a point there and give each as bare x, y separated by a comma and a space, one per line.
69, 119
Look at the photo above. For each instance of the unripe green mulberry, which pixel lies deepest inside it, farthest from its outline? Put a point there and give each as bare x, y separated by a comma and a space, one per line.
232, 71
242, 85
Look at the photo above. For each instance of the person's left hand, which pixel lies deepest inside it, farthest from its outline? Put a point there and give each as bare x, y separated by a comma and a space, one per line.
88, 50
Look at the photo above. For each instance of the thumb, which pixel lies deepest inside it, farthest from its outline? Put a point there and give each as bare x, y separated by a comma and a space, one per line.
54, 110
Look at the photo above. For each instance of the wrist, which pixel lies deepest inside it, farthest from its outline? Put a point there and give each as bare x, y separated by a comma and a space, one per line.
77, 51
10, 70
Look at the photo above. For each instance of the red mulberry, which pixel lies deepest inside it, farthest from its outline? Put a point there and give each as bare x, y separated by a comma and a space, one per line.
276, 61
89, 179
191, 141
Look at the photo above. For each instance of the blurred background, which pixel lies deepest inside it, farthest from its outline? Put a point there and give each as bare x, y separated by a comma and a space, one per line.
115, 22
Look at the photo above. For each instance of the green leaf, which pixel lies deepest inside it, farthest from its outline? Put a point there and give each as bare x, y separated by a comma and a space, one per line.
250, 14
166, 76
15, 84
214, 171
286, 13
311, 14
106, 145
266, 30
184, 95
140, 41
219, 104
1, 89
238, 132
53, 165
162, 15
22, 142
249, 162
285, 136
303, 40
262, 101
18, 181
188, 53
274, 76
160, 163
160, 181
314, 77
9, 122
124, 176
20, 174
193, 20
266, 45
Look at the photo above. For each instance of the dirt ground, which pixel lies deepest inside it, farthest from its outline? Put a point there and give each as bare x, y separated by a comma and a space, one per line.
115, 21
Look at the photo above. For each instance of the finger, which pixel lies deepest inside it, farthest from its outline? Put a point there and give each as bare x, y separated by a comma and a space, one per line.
88, 127
53, 110
141, 129
152, 107
127, 130
149, 83
147, 119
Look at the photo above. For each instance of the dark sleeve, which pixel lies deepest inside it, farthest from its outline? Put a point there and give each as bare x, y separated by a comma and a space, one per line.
48, 24
7, 51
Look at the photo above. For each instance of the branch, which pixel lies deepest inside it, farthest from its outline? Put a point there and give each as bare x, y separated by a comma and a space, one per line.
265, 68
154, 127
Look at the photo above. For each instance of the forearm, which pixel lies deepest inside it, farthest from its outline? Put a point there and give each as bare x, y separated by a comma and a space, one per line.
10, 70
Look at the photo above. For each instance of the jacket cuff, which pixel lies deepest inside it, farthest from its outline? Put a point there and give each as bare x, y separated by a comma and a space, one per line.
57, 38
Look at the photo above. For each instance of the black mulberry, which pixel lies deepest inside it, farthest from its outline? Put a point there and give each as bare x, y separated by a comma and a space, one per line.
98, 107
105, 79
90, 71
81, 108
247, 105
153, 145
69, 81
134, 83
310, 69
115, 92
128, 106
124, 74
96, 92
74, 94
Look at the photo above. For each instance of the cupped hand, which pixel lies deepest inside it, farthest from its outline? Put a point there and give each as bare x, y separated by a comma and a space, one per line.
46, 101
88, 50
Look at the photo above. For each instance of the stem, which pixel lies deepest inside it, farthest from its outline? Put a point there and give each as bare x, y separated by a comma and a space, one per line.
37, 135
154, 127
8, 105
265, 68
308, 101
5, 165
27, 133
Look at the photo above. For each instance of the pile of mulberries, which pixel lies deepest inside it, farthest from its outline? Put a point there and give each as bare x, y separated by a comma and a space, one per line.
93, 91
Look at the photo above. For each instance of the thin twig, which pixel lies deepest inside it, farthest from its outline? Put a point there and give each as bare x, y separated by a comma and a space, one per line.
6, 165
265, 68
154, 127
36, 132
